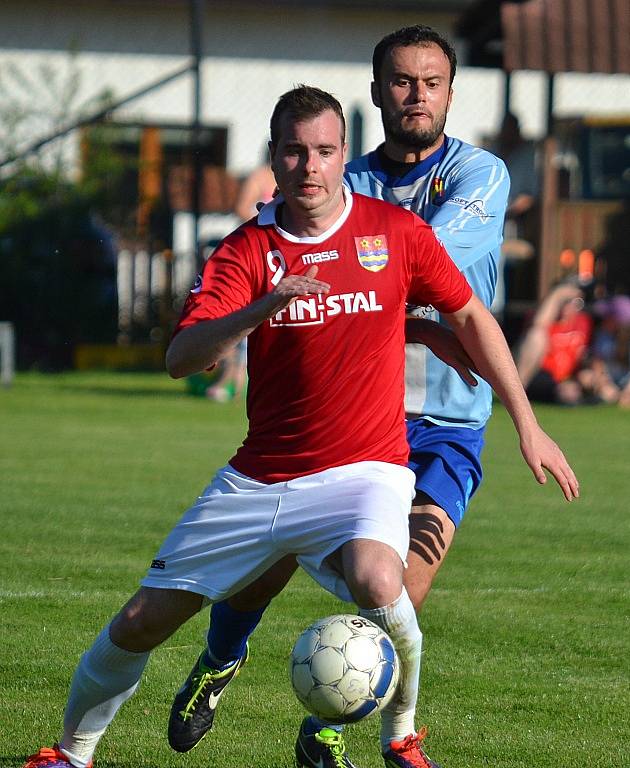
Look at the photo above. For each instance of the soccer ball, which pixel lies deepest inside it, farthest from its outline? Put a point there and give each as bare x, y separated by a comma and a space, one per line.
343, 668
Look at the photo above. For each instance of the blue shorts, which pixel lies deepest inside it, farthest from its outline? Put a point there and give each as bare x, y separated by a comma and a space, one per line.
446, 462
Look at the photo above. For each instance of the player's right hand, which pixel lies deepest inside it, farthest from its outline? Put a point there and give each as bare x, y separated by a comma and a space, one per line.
301, 285
292, 287
541, 452
443, 343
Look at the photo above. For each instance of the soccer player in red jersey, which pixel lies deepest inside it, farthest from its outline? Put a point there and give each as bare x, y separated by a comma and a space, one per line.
319, 284
462, 192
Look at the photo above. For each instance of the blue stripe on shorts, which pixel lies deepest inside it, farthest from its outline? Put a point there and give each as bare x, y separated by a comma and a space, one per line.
447, 463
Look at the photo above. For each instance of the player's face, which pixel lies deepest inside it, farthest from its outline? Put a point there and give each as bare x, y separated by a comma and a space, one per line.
414, 96
308, 163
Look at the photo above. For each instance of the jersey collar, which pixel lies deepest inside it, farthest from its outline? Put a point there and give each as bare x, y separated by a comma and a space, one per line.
411, 172
267, 217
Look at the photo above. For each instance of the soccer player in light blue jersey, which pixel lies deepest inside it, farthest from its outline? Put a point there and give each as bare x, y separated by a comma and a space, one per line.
461, 191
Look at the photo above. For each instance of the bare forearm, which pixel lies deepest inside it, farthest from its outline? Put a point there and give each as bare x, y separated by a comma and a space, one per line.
550, 308
418, 330
483, 340
200, 346
443, 343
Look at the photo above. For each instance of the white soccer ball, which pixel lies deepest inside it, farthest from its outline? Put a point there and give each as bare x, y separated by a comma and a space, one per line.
344, 668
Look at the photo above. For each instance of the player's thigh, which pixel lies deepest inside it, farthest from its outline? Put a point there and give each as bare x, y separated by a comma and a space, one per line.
151, 616
366, 501
260, 592
431, 533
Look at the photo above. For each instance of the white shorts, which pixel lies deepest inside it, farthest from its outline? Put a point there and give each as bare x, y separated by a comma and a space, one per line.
240, 527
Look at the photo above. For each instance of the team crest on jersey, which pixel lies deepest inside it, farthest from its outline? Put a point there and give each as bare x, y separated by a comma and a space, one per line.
372, 252
438, 191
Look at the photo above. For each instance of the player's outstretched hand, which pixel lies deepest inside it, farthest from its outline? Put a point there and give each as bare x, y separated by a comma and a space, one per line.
541, 452
293, 286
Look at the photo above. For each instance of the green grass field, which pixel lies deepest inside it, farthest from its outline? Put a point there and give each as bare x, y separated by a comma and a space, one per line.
527, 636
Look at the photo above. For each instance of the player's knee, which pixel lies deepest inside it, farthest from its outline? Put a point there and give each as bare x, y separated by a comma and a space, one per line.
375, 588
373, 572
133, 631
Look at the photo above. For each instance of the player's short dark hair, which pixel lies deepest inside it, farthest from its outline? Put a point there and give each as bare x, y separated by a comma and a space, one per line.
419, 34
305, 102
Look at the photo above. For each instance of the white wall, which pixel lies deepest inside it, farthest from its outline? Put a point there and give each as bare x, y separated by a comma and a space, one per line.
255, 53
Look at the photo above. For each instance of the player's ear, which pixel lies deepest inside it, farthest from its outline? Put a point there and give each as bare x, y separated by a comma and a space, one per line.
376, 96
450, 98
272, 150
345, 151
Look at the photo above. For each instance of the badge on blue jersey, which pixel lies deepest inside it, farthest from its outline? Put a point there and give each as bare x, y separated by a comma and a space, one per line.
372, 252
438, 191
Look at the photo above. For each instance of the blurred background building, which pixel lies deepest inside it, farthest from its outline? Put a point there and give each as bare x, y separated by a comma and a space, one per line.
127, 129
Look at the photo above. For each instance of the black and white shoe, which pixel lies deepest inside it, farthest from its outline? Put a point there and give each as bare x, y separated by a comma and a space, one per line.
322, 749
196, 702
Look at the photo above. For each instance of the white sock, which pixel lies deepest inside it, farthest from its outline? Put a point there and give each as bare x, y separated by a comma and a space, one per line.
104, 679
399, 621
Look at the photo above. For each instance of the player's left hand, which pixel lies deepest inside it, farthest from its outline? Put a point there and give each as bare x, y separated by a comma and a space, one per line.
443, 343
541, 452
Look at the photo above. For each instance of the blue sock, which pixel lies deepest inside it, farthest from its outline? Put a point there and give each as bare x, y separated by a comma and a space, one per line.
229, 632
313, 725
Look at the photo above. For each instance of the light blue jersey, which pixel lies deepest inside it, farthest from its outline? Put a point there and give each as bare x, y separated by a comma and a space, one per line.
462, 192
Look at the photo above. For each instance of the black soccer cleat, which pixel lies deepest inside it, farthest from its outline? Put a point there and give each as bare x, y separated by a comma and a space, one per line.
196, 702
322, 749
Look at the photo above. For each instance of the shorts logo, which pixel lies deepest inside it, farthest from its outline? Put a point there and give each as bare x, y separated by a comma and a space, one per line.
313, 310
438, 194
372, 252
159, 564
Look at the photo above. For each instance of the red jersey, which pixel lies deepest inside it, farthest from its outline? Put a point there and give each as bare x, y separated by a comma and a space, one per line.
326, 374
568, 341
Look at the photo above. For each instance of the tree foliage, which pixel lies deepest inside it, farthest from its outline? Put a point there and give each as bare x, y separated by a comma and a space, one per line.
57, 257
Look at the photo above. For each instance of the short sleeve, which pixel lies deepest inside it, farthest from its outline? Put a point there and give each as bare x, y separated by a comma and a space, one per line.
469, 221
435, 279
225, 284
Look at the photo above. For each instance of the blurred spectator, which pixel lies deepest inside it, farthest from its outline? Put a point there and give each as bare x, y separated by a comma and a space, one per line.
520, 157
554, 348
233, 376
607, 373
258, 187
520, 229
